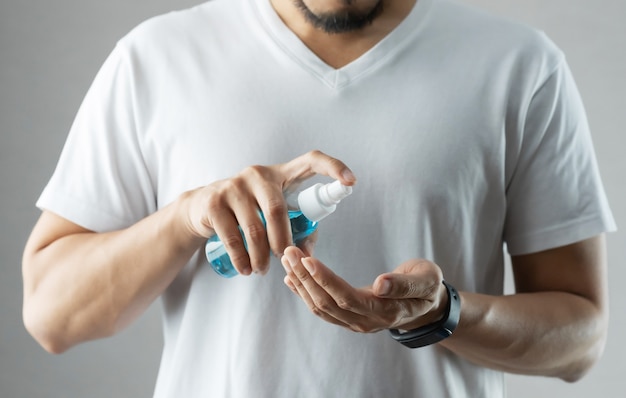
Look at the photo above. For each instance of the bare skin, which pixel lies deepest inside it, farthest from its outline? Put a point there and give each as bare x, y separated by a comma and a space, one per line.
338, 50
555, 325
125, 273
80, 285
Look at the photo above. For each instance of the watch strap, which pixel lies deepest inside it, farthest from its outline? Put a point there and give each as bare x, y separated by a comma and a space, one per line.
437, 331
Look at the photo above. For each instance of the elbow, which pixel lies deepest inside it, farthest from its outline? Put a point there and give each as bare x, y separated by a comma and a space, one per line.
42, 321
57, 330
44, 332
585, 362
52, 346
576, 373
578, 370
37, 314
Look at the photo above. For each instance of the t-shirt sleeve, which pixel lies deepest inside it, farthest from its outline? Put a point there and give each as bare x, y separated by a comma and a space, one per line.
555, 196
101, 181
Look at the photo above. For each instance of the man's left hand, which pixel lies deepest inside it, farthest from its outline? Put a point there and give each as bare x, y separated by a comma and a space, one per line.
411, 296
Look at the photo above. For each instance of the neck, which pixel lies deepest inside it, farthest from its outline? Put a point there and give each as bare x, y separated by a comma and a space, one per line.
338, 49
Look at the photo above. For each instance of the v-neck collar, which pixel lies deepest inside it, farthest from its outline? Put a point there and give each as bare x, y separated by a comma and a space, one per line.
336, 78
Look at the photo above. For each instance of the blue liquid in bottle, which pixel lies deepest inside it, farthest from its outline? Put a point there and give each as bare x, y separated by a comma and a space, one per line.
301, 227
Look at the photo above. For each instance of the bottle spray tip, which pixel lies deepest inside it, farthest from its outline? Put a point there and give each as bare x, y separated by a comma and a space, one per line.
334, 192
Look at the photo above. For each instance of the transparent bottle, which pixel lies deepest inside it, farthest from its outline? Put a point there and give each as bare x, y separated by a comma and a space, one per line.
309, 207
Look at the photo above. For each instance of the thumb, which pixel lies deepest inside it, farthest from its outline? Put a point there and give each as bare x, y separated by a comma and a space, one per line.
409, 281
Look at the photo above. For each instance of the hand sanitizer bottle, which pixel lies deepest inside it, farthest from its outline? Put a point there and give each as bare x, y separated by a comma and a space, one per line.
312, 205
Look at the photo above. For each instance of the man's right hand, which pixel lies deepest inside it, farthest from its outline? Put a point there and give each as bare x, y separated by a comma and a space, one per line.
224, 206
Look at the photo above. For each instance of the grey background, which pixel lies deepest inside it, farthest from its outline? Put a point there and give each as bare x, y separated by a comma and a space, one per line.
49, 53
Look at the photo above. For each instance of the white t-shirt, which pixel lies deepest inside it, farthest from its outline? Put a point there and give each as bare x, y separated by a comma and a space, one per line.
466, 133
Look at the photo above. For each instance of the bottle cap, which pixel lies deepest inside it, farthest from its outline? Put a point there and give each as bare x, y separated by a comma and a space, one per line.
321, 200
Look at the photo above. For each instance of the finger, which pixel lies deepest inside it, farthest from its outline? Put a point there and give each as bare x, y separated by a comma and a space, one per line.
242, 201
290, 285
265, 188
358, 310
306, 270
234, 212
272, 202
360, 307
308, 244
312, 163
289, 259
413, 279
297, 288
257, 246
227, 229
277, 225
415, 307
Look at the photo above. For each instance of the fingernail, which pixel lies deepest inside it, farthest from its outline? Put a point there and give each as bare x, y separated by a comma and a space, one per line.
384, 287
347, 175
287, 281
285, 262
309, 246
308, 264
293, 260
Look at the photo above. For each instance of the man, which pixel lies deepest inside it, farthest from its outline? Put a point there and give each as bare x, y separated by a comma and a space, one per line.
466, 133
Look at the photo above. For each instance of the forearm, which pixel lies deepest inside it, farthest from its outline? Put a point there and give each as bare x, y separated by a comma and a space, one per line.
554, 326
80, 285
546, 333
89, 285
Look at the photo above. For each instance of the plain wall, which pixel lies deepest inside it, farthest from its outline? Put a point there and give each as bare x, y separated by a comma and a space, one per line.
49, 54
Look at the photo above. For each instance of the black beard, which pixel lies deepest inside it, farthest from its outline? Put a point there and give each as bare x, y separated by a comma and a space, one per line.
340, 22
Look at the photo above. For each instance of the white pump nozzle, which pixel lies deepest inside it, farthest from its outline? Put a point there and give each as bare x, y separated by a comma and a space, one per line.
320, 200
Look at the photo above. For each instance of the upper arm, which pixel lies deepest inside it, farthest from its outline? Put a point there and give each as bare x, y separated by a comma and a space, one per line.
579, 268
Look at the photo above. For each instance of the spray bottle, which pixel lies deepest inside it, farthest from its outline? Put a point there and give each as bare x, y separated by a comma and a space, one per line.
307, 208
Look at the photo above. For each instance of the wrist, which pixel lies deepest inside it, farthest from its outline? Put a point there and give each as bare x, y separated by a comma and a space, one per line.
436, 313
190, 212
182, 222
436, 331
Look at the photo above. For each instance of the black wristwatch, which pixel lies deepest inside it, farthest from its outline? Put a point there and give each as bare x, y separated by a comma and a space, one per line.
434, 332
